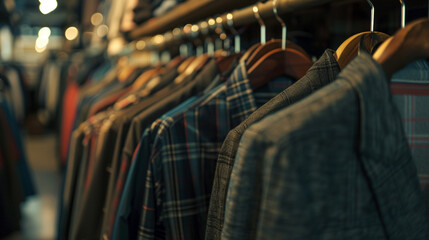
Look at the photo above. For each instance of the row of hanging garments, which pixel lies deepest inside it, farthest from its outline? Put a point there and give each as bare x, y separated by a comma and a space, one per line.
260, 144
16, 182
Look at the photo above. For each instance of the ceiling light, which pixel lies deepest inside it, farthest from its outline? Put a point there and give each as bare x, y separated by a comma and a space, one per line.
96, 19
71, 33
42, 42
47, 6
44, 32
40, 50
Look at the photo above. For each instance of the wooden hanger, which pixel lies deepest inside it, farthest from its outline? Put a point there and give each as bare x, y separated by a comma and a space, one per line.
268, 47
272, 44
277, 63
349, 48
249, 52
225, 62
182, 67
195, 65
144, 78
407, 45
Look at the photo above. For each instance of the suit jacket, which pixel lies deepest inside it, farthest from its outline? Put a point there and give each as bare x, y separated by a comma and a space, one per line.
335, 165
323, 72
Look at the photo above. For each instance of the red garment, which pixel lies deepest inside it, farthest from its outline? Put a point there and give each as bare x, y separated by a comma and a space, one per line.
70, 102
106, 102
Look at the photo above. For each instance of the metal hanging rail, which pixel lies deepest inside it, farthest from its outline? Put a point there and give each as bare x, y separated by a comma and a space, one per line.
189, 11
240, 18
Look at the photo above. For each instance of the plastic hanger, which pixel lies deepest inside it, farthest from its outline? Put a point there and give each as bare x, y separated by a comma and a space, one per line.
278, 62
273, 44
349, 48
407, 45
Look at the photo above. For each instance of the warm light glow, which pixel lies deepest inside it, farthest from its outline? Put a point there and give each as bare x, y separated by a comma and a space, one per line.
176, 31
204, 25
195, 28
187, 28
40, 50
71, 33
229, 16
168, 36
219, 20
255, 9
102, 30
42, 42
212, 21
44, 32
140, 45
96, 19
47, 6
158, 39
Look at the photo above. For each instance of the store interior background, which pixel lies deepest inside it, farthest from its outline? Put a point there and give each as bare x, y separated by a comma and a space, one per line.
35, 33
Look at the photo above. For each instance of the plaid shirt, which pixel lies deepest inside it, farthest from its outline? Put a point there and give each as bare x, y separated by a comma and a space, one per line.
410, 88
127, 198
181, 168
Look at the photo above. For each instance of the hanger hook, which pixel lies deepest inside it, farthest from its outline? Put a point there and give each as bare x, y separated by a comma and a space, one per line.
261, 23
284, 29
402, 13
372, 14
237, 38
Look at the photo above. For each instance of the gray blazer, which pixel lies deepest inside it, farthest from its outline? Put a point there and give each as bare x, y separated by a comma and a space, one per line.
335, 165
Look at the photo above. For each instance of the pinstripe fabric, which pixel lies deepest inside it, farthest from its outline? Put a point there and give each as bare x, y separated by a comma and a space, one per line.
410, 88
181, 168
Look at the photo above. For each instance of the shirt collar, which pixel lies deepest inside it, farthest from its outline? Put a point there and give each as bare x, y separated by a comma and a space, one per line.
239, 95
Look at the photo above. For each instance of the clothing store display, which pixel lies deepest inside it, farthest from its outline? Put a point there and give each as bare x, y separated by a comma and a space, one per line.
205, 131
321, 73
193, 151
294, 191
214, 120
143, 120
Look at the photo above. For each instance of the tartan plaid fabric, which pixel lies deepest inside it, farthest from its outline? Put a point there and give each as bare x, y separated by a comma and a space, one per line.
181, 168
410, 89
127, 200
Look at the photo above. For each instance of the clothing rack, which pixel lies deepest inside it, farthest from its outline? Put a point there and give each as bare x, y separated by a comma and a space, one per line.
189, 11
237, 18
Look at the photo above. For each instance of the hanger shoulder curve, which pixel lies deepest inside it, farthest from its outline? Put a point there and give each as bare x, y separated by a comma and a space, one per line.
349, 48
278, 62
247, 54
269, 46
407, 45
